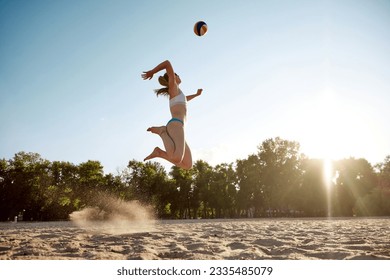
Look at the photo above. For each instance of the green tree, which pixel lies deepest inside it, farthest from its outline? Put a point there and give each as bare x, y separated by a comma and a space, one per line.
145, 180
381, 195
356, 179
6, 196
313, 193
58, 193
30, 178
250, 192
203, 175
223, 191
185, 197
281, 172
90, 182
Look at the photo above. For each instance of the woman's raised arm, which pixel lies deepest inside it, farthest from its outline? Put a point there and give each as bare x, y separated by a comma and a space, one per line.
190, 97
163, 65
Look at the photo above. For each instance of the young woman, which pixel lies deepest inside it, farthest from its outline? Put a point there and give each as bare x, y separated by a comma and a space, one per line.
172, 134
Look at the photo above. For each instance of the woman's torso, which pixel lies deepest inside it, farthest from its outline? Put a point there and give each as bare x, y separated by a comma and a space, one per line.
178, 105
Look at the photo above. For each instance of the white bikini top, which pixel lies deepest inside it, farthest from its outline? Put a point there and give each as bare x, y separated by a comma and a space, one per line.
178, 99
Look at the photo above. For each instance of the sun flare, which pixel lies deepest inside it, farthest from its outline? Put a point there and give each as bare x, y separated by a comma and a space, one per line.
327, 172
329, 127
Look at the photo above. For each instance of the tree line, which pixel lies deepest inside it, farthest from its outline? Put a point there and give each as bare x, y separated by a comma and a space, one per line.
276, 181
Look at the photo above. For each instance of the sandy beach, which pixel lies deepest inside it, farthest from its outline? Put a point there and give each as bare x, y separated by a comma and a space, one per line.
280, 239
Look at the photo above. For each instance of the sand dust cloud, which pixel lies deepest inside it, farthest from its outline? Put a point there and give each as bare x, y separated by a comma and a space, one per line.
115, 216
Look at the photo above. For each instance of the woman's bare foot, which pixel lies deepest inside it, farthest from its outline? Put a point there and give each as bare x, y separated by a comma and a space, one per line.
157, 152
157, 129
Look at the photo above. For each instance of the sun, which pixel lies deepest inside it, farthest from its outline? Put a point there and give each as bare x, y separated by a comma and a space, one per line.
331, 127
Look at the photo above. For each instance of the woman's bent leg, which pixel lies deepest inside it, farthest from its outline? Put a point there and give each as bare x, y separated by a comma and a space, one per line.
175, 131
186, 163
167, 140
158, 153
177, 151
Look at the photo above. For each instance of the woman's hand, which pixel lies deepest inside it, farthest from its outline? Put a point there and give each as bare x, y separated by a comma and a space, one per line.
190, 97
147, 75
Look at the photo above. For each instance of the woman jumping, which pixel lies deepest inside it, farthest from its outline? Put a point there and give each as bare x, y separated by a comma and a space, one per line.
172, 134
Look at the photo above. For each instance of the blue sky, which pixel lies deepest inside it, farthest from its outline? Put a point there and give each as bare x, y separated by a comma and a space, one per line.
316, 72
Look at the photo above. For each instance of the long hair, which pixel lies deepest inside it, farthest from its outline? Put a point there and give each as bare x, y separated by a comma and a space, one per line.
164, 81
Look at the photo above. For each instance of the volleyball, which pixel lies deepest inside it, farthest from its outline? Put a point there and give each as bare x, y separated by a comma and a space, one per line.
200, 28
